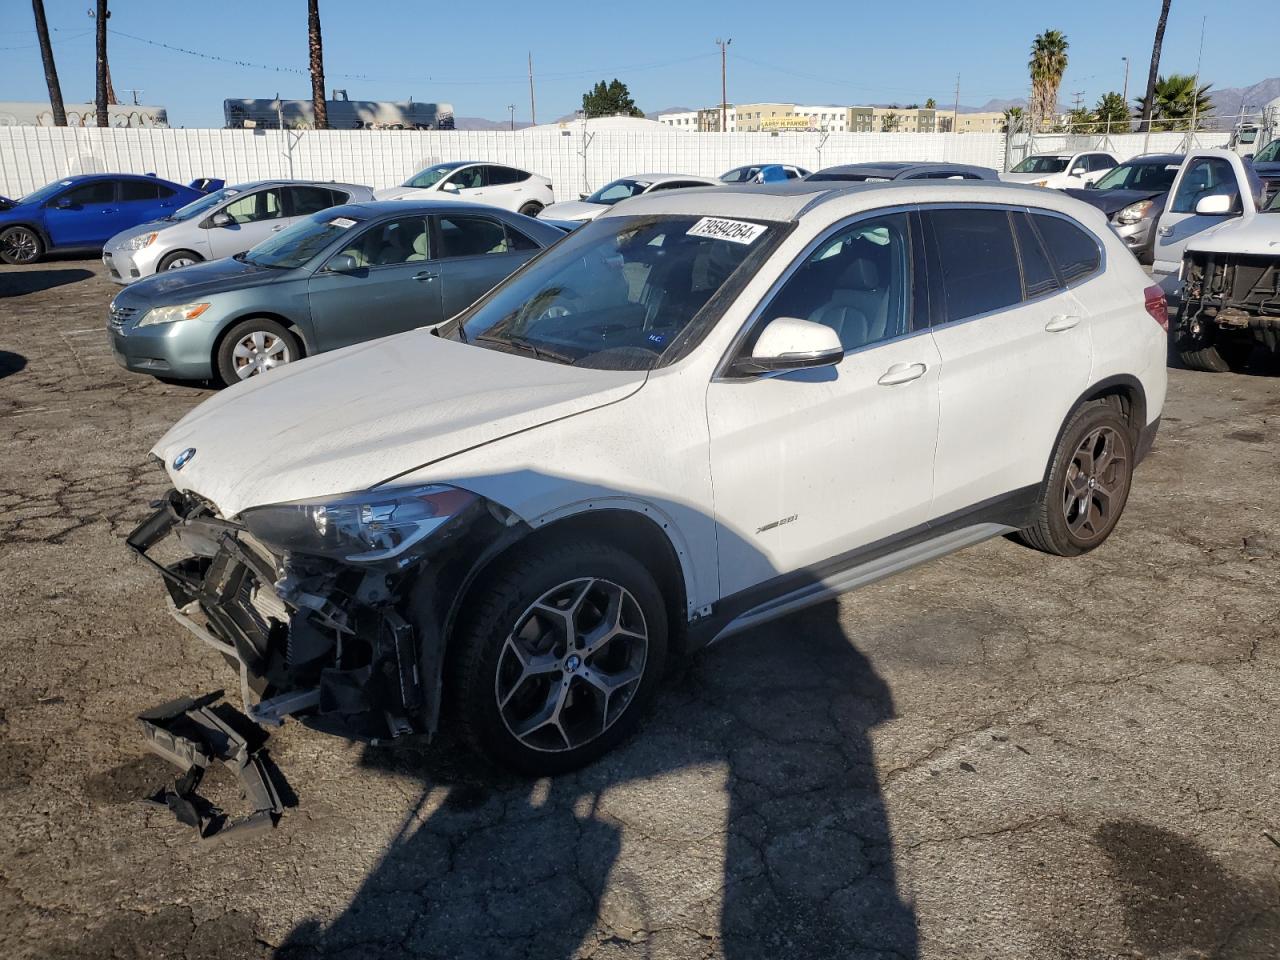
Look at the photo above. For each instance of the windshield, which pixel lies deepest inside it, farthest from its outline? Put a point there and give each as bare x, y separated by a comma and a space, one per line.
1140, 176
741, 174
197, 208
1043, 164
611, 193
1268, 154
47, 191
432, 175
299, 243
619, 292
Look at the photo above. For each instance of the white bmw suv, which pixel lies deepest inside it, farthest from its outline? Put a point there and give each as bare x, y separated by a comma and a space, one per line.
703, 410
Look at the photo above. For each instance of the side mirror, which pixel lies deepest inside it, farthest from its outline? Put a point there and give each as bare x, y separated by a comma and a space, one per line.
343, 263
1091, 185
221, 219
583, 196
1078, 171
788, 343
64, 203
450, 188
1214, 205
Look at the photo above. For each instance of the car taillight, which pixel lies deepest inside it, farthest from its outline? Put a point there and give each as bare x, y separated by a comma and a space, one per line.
1157, 306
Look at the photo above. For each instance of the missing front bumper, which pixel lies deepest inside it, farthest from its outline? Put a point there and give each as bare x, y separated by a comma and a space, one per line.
311, 639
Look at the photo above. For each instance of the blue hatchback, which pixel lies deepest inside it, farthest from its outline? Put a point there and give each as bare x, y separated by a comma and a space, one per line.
81, 213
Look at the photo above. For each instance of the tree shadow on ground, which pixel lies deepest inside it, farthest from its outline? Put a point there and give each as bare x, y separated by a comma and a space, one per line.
11, 363
24, 283
488, 865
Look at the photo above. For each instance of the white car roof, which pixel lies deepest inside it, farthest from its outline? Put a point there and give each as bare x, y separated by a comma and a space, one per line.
827, 200
664, 177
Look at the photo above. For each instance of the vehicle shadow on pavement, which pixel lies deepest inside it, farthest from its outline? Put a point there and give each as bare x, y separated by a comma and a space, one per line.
11, 363
757, 754
26, 282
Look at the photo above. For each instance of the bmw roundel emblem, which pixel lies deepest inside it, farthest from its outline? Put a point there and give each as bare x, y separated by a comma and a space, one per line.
182, 459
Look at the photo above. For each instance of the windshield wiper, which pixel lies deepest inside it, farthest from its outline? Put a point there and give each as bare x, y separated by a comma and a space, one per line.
521, 343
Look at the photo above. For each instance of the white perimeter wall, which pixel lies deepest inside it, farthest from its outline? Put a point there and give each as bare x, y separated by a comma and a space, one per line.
575, 162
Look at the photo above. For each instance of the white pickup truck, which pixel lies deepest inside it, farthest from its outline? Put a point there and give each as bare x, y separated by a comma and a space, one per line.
1219, 244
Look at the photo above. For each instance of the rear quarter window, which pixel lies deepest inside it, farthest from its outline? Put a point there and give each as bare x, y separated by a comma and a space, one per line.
1073, 250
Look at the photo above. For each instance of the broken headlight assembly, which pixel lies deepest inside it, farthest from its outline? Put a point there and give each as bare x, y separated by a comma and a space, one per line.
373, 526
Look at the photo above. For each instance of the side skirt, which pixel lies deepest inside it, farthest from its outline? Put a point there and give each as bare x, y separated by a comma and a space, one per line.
875, 561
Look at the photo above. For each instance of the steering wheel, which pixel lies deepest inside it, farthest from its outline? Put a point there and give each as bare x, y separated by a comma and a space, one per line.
558, 307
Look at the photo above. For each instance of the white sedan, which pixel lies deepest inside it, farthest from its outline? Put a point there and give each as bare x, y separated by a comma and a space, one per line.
499, 186
590, 206
1058, 171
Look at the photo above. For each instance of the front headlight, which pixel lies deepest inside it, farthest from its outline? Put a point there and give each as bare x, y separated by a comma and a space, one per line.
1134, 212
183, 311
363, 527
140, 241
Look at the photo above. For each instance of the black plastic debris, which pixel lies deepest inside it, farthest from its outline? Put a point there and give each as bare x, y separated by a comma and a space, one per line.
192, 734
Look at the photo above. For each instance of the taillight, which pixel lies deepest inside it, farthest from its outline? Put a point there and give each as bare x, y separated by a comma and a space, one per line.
1157, 305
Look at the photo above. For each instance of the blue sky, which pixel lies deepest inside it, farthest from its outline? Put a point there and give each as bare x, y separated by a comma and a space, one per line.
473, 54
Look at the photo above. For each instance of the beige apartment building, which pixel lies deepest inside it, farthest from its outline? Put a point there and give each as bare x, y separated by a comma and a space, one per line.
801, 118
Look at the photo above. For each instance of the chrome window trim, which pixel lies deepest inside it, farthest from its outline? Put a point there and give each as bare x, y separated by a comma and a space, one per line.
723, 368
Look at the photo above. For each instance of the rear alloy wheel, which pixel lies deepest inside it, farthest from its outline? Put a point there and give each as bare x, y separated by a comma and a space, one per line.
563, 652
1088, 483
177, 260
255, 347
20, 245
531, 209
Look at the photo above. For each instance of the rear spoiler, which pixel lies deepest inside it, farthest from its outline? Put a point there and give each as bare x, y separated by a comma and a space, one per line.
207, 184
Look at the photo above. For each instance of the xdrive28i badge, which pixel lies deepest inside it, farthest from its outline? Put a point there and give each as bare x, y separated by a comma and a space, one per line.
182, 459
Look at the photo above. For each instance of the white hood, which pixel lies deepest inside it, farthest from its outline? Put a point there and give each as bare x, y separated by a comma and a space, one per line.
1027, 177
348, 420
573, 210
400, 193
1256, 234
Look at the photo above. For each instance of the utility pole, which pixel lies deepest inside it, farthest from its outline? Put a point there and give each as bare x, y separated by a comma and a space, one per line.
955, 116
1125, 96
50, 68
512, 108
1195, 87
134, 93
724, 87
533, 108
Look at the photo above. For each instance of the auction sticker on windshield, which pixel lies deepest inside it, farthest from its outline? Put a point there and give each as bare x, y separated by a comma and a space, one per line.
343, 222
735, 231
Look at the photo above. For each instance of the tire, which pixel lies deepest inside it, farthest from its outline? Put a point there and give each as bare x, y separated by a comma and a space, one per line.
531, 209
521, 696
1081, 504
20, 246
177, 260
1206, 359
267, 344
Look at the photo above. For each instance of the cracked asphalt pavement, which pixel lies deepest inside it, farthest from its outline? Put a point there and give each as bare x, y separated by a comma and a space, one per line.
998, 755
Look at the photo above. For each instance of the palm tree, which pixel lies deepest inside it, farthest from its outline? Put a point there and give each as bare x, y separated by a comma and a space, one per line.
889, 123
1175, 101
1155, 63
316, 48
931, 104
1047, 64
50, 68
1012, 120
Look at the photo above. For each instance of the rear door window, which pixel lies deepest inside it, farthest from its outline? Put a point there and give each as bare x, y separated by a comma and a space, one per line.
138, 190
977, 260
1073, 251
500, 176
303, 201
472, 237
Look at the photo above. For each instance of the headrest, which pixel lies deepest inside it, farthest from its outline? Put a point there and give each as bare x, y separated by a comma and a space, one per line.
420, 243
860, 274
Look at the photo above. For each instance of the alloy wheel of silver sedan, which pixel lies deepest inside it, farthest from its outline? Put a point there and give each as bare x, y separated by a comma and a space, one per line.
1095, 478
572, 664
182, 261
259, 351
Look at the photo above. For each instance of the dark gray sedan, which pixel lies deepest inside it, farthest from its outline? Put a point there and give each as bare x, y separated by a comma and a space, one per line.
343, 275
903, 170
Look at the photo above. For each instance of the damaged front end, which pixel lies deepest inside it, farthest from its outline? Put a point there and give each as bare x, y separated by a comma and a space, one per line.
1231, 296
352, 644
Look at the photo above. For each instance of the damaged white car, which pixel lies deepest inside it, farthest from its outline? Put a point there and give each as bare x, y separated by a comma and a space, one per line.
701, 411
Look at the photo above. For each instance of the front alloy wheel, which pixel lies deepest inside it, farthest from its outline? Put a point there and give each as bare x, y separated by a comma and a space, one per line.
559, 649
20, 245
571, 665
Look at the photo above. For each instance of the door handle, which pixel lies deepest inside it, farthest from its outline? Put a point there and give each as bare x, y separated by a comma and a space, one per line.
1062, 321
902, 373
1164, 231
425, 277
277, 229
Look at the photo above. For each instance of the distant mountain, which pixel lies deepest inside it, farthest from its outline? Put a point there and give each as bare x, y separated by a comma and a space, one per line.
480, 123
654, 114
1228, 100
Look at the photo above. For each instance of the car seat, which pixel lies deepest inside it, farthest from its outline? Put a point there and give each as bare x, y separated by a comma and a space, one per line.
858, 309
